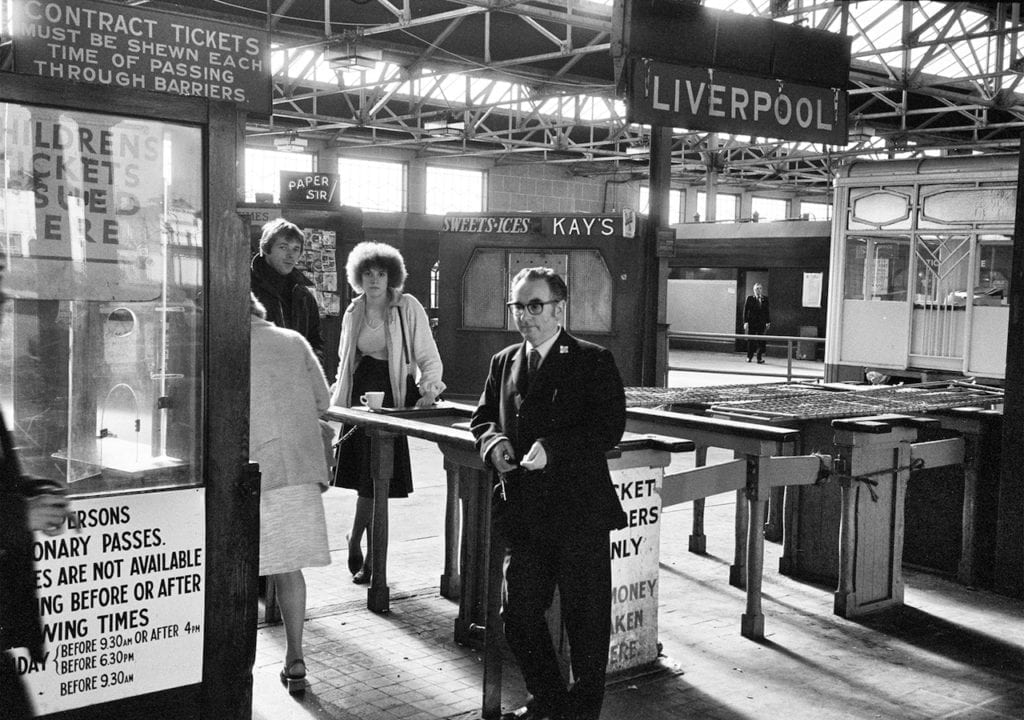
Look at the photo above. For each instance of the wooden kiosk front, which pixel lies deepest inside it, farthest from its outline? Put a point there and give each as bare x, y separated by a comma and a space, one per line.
604, 259
125, 357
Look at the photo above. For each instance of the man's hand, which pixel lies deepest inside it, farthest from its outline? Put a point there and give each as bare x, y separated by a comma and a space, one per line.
537, 458
503, 456
47, 513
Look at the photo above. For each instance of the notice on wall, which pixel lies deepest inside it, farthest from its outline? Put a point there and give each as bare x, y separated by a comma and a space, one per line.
319, 262
634, 552
130, 47
812, 289
121, 596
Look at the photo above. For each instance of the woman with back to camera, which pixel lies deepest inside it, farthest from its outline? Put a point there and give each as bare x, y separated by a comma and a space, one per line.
288, 393
385, 336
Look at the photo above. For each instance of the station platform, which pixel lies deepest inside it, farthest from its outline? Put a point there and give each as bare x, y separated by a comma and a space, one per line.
950, 652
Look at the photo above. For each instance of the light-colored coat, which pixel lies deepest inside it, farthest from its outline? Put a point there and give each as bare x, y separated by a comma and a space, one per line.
425, 360
288, 395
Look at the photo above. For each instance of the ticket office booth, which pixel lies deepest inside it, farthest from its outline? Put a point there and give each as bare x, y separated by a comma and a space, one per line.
124, 353
602, 258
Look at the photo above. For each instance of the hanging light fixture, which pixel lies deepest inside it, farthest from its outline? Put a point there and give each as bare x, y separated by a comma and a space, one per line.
291, 143
447, 124
349, 53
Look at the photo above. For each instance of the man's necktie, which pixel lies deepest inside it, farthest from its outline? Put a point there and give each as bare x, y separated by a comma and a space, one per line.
534, 362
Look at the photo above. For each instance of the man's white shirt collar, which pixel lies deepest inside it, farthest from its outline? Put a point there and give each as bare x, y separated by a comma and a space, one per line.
545, 347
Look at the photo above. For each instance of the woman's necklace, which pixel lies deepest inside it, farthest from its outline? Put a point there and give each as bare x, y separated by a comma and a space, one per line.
374, 317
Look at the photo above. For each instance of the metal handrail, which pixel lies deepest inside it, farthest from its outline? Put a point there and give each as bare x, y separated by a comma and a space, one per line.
789, 340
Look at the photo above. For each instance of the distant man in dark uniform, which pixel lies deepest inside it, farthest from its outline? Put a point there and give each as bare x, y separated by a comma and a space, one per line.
545, 423
756, 321
282, 288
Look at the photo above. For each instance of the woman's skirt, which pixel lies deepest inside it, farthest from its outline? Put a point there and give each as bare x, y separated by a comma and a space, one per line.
293, 529
353, 457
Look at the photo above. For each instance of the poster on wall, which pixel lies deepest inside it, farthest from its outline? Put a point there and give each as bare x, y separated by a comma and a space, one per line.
812, 289
121, 596
320, 265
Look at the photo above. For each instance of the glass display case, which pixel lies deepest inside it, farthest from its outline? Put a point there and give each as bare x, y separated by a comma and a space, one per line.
101, 340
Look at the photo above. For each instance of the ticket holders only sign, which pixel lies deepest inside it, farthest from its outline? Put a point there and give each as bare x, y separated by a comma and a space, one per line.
670, 95
130, 47
121, 595
635, 550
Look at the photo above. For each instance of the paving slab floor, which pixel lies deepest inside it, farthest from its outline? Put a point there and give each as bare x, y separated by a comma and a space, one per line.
950, 652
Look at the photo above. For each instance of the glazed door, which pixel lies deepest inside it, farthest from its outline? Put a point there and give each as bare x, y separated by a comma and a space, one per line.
939, 319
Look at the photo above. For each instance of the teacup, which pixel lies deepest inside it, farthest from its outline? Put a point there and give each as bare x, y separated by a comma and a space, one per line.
372, 400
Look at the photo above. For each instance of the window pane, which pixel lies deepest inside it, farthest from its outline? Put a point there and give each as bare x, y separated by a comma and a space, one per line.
726, 206
995, 258
372, 184
769, 209
102, 342
263, 171
816, 211
943, 263
876, 268
451, 190
675, 204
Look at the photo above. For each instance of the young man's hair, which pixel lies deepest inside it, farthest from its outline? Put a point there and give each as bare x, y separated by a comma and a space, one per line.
280, 228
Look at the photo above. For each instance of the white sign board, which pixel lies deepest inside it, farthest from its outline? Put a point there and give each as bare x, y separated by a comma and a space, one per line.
121, 596
634, 551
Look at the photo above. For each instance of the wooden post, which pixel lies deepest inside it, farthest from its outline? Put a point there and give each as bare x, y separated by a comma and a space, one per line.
382, 465
698, 540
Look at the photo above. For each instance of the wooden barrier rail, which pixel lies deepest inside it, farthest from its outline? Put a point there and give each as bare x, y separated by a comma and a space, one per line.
473, 561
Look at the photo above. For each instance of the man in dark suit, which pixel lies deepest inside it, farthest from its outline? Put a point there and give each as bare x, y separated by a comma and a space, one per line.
756, 321
545, 424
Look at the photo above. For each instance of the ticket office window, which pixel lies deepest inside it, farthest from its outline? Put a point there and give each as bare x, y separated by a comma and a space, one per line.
101, 342
589, 282
992, 271
877, 268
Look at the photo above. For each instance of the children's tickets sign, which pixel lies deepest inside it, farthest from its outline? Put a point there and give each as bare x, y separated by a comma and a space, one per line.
121, 596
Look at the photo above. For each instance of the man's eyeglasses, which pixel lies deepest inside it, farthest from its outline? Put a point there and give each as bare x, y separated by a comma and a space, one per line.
534, 307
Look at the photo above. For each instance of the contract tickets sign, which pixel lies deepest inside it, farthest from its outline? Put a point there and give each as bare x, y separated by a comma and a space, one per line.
121, 596
130, 47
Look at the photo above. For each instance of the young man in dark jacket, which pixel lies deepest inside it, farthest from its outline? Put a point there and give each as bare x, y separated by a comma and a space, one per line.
282, 288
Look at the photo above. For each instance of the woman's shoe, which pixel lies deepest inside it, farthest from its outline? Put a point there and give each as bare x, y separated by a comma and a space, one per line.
355, 556
362, 577
293, 676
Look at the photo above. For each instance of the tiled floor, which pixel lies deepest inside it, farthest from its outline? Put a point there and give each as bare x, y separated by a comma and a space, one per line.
951, 652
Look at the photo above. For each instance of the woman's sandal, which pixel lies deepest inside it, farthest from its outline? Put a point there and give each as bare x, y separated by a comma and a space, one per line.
355, 556
362, 577
293, 676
